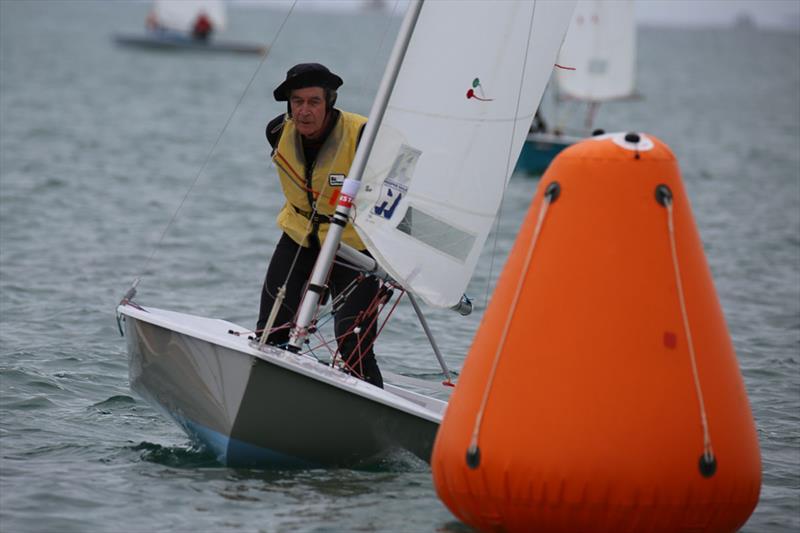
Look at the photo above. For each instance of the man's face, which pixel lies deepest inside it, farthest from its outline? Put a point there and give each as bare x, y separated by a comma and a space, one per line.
308, 110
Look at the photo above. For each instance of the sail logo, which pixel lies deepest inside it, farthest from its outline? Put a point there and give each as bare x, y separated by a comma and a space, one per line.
476, 84
391, 194
395, 186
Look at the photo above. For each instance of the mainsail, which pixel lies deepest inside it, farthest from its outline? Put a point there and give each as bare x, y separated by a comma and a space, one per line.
601, 46
180, 15
455, 123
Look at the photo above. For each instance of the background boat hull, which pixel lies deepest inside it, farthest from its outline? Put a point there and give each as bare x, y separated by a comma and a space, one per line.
186, 43
539, 150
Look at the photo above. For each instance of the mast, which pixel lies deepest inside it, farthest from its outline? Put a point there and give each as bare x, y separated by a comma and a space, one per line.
351, 185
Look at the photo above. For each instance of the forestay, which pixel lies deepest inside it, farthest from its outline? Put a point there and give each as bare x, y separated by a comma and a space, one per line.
465, 96
601, 46
180, 15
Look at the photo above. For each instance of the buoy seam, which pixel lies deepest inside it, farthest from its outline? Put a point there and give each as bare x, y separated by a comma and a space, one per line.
479, 417
707, 450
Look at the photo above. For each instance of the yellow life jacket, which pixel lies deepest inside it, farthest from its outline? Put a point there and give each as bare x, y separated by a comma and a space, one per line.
330, 169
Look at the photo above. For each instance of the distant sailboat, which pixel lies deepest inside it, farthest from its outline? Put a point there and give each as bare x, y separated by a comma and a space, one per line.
187, 25
599, 60
447, 124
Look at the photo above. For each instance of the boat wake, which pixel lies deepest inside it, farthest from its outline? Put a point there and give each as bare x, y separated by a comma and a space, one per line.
395, 460
193, 456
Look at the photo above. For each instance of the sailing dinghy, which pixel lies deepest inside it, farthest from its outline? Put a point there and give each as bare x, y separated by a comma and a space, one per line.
170, 26
599, 56
448, 122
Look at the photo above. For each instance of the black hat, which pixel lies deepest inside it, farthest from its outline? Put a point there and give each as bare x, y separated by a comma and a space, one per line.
306, 75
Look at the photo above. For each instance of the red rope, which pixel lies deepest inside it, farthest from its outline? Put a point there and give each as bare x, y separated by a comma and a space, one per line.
296, 178
258, 332
372, 309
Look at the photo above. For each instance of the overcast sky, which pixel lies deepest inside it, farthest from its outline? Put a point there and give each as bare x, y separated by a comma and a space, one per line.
765, 13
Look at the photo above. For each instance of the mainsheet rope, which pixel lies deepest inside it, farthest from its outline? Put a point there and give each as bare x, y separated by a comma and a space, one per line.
374, 309
174, 217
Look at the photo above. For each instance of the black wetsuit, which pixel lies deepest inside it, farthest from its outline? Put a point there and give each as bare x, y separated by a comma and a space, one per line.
340, 279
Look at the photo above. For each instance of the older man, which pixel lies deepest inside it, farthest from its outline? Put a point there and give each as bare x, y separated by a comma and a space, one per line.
313, 145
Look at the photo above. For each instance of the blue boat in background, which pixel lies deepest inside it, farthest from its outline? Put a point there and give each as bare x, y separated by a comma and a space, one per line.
596, 64
540, 149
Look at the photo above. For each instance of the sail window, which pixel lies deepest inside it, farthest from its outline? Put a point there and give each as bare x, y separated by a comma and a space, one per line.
437, 233
598, 66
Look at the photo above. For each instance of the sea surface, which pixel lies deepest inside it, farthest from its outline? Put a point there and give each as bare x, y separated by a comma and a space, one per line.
117, 163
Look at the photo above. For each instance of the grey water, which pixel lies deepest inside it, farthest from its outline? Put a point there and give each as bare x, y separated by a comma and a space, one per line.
99, 146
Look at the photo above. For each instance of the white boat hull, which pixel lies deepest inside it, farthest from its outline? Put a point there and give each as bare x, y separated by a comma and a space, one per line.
268, 407
177, 42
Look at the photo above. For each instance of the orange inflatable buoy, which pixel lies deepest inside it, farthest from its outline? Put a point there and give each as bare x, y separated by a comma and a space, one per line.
602, 391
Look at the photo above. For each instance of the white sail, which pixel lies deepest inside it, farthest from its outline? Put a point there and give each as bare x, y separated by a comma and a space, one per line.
181, 15
454, 126
601, 46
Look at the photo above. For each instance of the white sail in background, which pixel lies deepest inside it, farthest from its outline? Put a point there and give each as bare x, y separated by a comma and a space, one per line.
454, 127
180, 15
601, 46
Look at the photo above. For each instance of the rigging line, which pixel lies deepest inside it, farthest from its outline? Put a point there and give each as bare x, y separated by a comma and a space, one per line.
342, 295
214, 146
473, 446
508, 160
707, 450
378, 331
328, 310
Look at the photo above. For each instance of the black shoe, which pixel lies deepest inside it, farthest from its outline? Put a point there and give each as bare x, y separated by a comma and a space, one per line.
372, 374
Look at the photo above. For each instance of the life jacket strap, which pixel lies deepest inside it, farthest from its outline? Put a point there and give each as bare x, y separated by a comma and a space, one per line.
316, 218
